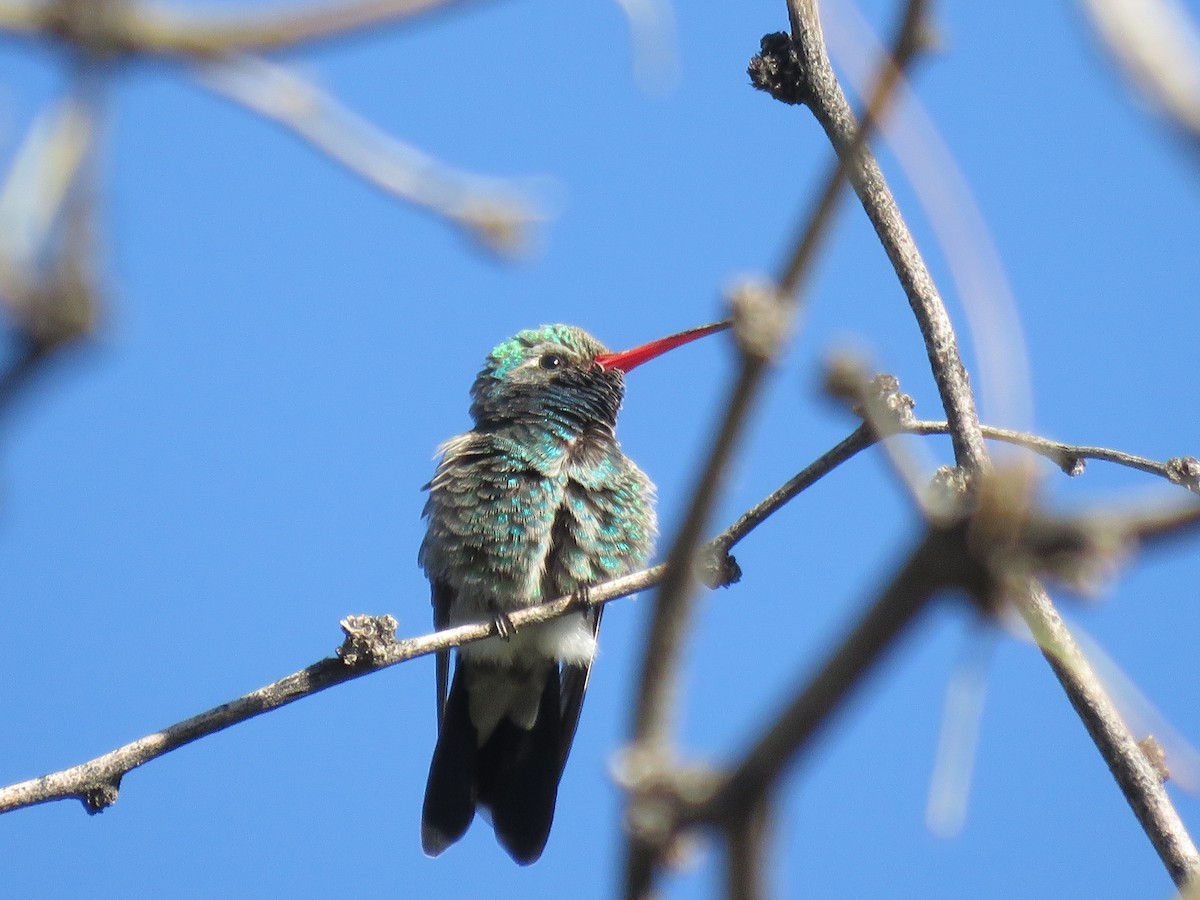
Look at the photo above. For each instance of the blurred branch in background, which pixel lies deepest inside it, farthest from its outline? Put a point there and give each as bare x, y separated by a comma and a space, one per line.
799, 71
49, 267
1156, 45
495, 214
49, 209
133, 27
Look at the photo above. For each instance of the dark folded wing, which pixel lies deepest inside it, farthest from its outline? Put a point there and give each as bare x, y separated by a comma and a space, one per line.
443, 595
574, 686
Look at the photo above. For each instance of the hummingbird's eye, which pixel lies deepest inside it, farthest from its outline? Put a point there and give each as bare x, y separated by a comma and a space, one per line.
551, 361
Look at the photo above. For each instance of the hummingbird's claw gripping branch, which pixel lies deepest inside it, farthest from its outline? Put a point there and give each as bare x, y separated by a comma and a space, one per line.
503, 624
582, 598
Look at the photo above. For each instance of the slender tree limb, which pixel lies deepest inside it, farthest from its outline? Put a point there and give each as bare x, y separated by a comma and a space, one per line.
1069, 457
941, 560
1157, 46
821, 92
1181, 470
132, 27
747, 841
824, 97
762, 319
1133, 771
371, 645
493, 213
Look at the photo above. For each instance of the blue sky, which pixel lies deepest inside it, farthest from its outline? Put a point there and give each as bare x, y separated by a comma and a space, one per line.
193, 503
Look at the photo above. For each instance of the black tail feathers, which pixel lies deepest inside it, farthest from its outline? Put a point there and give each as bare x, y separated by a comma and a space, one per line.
450, 792
515, 774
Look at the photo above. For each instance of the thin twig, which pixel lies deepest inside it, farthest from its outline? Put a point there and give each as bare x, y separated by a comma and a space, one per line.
1068, 457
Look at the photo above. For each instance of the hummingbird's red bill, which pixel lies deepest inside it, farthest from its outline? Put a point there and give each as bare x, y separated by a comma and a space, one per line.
625, 360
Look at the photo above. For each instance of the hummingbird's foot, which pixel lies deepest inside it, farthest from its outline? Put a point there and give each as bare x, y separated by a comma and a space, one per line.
504, 625
582, 598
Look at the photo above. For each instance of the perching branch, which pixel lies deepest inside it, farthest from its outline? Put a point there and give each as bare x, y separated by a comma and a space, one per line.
1069, 457
371, 643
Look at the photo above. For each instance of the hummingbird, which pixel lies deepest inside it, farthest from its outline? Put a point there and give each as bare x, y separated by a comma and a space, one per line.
535, 502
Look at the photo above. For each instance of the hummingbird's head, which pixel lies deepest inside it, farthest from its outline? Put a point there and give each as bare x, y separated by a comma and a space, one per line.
562, 376
549, 373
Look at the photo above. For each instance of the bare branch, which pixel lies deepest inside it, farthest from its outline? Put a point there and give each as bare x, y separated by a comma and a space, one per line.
370, 645
1157, 46
1133, 771
157, 29
762, 318
941, 560
823, 95
49, 277
821, 92
1070, 457
492, 213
